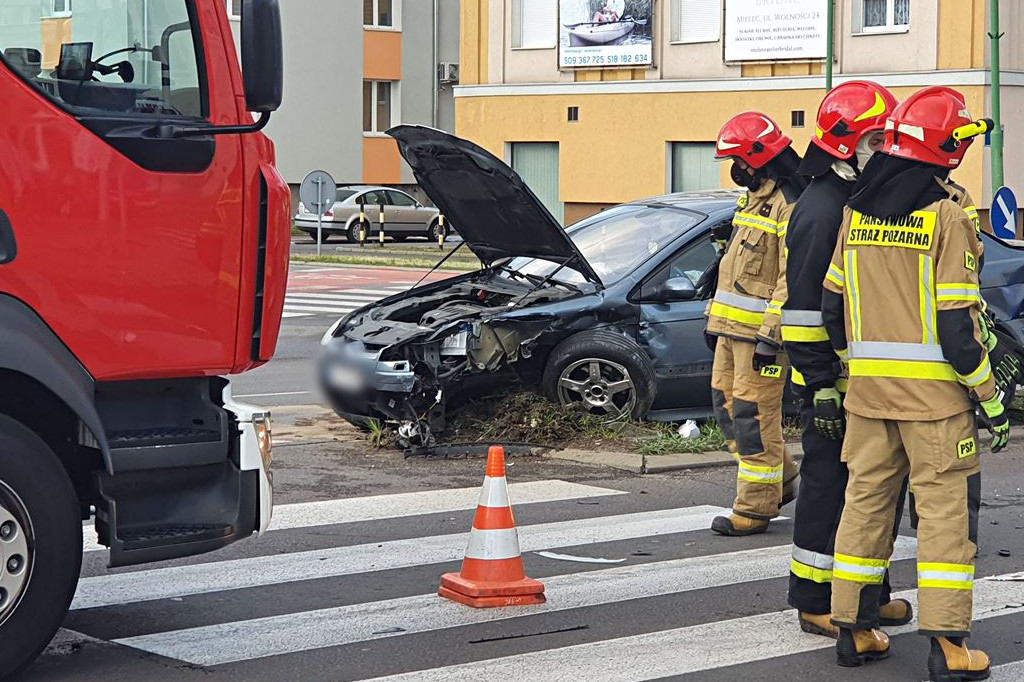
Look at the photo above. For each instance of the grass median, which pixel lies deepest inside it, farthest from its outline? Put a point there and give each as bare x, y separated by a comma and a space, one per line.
392, 256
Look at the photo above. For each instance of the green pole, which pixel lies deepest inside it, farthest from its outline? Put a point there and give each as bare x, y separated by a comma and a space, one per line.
997, 132
829, 47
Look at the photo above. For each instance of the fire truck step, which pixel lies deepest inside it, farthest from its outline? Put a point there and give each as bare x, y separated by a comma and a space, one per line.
140, 438
172, 534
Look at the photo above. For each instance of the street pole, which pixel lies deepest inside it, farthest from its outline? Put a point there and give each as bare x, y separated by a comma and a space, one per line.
997, 129
829, 46
319, 215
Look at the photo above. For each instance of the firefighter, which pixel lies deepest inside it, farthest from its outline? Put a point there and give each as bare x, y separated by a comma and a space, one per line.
848, 131
902, 304
744, 317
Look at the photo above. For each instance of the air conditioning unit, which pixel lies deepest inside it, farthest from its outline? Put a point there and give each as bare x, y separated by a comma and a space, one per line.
448, 72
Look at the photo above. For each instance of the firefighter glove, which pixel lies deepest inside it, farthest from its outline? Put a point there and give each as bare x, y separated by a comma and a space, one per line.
997, 421
764, 355
829, 419
987, 337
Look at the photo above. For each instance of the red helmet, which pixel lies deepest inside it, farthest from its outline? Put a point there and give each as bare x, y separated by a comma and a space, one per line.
751, 136
922, 127
849, 111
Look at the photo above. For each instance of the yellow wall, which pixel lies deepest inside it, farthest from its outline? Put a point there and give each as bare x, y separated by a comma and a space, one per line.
474, 20
617, 151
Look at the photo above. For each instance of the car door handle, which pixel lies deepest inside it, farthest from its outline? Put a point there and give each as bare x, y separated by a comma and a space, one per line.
8, 246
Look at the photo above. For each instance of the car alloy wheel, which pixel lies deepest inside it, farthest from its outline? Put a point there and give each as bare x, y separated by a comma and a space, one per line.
16, 555
602, 386
436, 230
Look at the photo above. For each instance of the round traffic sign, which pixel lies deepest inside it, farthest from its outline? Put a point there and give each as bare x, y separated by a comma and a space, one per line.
318, 192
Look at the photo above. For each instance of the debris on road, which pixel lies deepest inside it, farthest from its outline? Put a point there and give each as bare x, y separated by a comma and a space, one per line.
503, 638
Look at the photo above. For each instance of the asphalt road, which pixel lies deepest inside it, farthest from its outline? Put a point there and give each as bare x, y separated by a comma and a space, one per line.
343, 589
343, 586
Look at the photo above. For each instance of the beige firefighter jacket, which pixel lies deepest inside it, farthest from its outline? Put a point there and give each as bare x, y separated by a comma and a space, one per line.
752, 275
894, 276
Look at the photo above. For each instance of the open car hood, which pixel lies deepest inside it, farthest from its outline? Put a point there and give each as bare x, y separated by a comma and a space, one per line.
486, 202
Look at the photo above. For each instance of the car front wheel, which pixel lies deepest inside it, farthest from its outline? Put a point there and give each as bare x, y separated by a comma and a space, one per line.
40, 545
603, 371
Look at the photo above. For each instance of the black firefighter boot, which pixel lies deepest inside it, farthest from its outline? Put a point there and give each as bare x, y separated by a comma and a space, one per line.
856, 647
951, 661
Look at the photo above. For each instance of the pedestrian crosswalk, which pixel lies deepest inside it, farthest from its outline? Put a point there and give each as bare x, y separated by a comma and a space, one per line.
345, 590
337, 302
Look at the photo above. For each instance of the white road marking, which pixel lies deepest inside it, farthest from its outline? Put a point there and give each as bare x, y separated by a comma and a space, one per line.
339, 296
236, 574
668, 653
398, 505
291, 633
287, 314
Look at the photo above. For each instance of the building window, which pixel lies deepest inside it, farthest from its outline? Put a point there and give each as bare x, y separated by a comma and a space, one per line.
574, 114
696, 21
234, 8
693, 166
380, 13
883, 15
60, 8
534, 24
537, 164
797, 118
379, 105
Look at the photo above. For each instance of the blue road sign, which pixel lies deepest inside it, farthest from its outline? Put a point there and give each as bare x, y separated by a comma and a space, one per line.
1004, 214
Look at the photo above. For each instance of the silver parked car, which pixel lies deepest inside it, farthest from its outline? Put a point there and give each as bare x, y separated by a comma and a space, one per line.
404, 217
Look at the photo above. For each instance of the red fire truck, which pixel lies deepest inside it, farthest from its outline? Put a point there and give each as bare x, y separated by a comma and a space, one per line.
143, 257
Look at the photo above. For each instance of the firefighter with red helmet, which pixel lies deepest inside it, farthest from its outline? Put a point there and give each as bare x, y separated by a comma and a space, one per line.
744, 318
902, 304
849, 130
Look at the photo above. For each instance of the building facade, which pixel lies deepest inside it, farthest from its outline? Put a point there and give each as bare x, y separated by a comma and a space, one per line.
594, 127
353, 69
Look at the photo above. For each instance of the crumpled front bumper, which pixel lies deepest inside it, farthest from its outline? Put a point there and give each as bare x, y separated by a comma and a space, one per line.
348, 368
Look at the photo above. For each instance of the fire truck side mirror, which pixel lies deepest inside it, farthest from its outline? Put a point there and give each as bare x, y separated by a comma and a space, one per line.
262, 55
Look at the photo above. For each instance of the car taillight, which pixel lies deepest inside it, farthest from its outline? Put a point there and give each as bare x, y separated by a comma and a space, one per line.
329, 214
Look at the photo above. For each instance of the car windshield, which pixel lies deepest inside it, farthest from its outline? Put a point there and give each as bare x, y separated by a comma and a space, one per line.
615, 241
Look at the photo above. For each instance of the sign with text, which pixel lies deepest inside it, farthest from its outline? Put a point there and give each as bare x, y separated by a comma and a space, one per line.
765, 30
604, 33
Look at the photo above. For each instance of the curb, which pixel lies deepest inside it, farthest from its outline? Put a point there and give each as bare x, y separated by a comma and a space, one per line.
656, 464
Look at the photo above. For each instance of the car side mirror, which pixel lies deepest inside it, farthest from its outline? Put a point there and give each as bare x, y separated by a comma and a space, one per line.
675, 289
262, 55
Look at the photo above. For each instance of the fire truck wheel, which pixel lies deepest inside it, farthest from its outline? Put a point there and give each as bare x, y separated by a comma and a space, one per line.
40, 545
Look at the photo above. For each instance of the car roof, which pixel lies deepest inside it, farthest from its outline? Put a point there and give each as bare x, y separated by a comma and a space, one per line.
707, 201
366, 188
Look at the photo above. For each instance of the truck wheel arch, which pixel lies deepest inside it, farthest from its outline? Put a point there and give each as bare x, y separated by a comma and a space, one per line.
29, 347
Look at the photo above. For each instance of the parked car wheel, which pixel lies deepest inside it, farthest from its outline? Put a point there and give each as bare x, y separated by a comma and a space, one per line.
324, 235
40, 545
352, 233
606, 372
435, 231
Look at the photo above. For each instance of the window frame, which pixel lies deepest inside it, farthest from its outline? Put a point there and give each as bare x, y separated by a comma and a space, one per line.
396, 16
675, 17
659, 275
63, 14
515, 33
860, 29
395, 107
229, 6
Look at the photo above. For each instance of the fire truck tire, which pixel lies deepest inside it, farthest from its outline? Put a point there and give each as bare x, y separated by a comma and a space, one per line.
40, 545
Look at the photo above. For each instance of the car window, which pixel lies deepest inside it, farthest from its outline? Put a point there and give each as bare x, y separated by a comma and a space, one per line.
618, 240
344, 194
401, 199
690, 262
107, 56
373, 198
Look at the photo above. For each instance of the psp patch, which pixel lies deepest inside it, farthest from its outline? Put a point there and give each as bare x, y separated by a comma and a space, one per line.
914, 231
771, 371
966, 448
970, 262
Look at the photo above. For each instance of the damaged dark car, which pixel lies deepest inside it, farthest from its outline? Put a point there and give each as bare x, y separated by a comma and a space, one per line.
607, 314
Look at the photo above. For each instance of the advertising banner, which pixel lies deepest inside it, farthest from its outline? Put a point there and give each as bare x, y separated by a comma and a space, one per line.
605, 33
764, 30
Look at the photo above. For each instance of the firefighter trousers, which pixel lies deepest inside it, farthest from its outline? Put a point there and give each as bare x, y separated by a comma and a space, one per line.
748, 407
819, 506
945, 474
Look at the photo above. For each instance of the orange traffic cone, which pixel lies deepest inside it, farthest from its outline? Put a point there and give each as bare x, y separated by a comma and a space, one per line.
492, 572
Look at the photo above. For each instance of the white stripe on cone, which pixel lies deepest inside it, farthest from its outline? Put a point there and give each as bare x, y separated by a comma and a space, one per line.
494, 493
493, 544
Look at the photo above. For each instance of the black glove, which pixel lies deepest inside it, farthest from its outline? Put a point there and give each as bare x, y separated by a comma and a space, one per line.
711, 341
829, 419
1007, 358
765, 355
